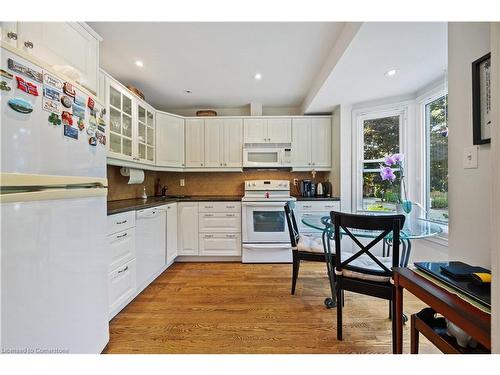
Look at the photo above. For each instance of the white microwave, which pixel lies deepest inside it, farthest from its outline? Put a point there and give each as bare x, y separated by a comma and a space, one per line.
267, 157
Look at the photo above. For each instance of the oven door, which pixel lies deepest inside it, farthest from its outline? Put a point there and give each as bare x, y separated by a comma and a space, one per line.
264, 222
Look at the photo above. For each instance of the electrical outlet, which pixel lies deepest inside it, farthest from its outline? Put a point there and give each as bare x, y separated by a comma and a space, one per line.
182, 182
295, 181
470, 157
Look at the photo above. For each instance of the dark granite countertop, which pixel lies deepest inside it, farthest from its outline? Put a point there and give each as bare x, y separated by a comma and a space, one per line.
124, 205
318, 198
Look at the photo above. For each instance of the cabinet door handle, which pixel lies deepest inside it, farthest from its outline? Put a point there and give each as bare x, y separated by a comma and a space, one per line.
123, 270
229, 206
208, 215
230, 236
209, 206
306, 206
230, 215
209, 235
122, 235
121, 222
12, 35
28, 44
225, 164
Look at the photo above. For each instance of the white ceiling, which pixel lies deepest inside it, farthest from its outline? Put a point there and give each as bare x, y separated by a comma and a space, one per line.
217, 61
418, 51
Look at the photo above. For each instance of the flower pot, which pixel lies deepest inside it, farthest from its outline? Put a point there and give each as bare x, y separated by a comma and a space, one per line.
404, 207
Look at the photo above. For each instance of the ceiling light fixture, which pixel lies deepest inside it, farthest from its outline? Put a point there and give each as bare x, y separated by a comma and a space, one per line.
188, 91
257, 76
139, 63
390, 73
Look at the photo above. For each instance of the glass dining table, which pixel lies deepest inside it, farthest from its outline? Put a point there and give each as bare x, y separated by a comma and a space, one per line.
414, 228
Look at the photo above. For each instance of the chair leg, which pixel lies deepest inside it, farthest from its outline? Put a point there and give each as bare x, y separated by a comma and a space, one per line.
394, 320
413, 336
340, 302
295, 272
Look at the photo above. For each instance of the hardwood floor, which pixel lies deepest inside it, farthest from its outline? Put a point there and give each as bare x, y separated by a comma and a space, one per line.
247, 308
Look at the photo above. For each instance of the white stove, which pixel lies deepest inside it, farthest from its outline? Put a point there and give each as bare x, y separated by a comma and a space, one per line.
264, 227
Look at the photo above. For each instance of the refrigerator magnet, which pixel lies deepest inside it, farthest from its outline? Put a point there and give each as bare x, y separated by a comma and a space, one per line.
20, 105
81, 124
6, 74
51, 106
24, 70
70, 132
79, 101
67, 118
90, 103
65, 101
51, 93
4, 86
54, 119
52, 81
26, 86
69, 89
92, 141
78, 111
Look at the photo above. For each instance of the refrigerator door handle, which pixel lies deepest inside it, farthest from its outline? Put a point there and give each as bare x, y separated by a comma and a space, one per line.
52, 194
24, 180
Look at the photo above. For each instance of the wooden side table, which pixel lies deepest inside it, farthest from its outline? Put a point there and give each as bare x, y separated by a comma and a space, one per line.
472, 320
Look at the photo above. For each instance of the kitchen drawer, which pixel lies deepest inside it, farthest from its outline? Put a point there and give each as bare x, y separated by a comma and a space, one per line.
220, 244
121, 247
219, 222
121, 285
325, 206
220, 206
299, 215
120, 222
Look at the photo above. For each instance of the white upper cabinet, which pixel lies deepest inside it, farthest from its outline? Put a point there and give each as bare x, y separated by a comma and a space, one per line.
260, 130
311, 144
214, 139
70, 48
169, 140
255, 130
233, 143
120, 111
145, 127
279, 130
195, 143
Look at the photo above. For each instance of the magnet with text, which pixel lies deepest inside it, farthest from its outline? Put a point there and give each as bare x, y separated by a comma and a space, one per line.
50, 80
100, 137
54, 119
70, 132
66, 101
79, 101
92, 141
20, 105
101, 128
78, 111
69, 89
51, 93
51, 105
67, 118
81, 124
26, 86
24, 70
90, 103
4, 86
6, 74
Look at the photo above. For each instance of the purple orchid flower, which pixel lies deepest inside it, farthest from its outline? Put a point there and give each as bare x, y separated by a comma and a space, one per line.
398, 158
389, 160
387, 174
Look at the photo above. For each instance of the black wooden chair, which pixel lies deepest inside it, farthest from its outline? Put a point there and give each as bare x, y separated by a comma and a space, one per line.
361, 271
305, 248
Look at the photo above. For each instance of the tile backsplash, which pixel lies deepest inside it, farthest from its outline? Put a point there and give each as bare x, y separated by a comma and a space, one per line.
201, 183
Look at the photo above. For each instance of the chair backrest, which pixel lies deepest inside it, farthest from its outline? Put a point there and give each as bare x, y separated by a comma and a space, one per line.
386, 224
292, 224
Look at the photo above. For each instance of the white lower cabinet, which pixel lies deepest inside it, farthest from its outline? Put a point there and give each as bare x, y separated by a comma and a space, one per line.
220, 244
187, 228
172, 242
121, 247
304, 209
219, 222
121, 287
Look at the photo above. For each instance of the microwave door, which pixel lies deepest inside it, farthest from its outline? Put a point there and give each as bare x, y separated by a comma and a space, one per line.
262, 158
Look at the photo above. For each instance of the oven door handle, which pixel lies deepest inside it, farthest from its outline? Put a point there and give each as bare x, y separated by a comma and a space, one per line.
267, 246
263, 203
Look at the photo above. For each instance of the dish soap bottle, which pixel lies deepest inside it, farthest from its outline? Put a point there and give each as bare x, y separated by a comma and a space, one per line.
144, 195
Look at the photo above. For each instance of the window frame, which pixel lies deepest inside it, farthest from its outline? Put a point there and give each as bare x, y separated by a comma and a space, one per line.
399, 109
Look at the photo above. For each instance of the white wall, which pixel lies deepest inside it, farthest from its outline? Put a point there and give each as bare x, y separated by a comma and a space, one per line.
469, 189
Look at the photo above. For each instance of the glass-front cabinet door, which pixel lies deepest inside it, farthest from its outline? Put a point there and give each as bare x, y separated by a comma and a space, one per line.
145, 133
120, 122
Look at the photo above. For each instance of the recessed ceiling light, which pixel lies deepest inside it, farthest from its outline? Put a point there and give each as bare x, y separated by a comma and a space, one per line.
257, 76
188, 91
139, 63
391, 73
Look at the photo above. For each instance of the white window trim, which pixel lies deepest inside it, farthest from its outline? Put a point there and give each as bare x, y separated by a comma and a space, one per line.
421, 101
361, 115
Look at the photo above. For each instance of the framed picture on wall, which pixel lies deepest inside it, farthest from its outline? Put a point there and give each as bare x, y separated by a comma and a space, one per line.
481, 100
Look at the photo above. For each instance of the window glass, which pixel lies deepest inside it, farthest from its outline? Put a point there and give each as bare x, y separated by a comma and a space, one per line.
436, 122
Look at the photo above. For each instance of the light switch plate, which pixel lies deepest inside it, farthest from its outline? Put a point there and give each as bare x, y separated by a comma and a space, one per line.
182, 182
470, 157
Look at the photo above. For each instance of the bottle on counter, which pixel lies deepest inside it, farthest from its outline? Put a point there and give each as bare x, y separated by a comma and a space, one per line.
144, 195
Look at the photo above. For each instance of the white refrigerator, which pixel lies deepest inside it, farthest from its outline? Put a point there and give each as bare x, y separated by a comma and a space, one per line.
53, 263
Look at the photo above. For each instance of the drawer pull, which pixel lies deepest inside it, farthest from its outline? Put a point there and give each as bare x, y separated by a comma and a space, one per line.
209, 206
230, 215
209, 235
229, 206
307, 206
208, 215
122, 235
123, 270
230, 236
121, 222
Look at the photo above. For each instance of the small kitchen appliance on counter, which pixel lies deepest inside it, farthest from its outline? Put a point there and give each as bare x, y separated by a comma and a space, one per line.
264, 228
307, 188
